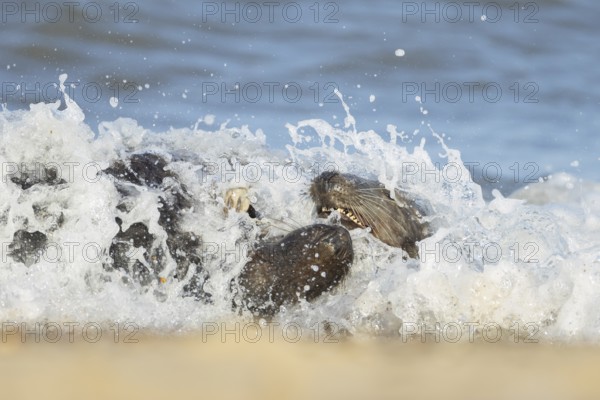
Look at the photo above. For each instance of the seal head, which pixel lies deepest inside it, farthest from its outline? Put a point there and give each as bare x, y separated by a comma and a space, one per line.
302, 265
364, 203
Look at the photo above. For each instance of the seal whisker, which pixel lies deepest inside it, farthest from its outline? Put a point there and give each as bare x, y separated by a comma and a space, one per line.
377, 195
376, 222
275, 223
295, 225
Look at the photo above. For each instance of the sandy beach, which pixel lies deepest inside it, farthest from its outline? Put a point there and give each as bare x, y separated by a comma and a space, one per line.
199, 367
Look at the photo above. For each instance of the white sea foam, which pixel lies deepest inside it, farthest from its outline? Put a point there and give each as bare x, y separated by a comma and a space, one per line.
531, 259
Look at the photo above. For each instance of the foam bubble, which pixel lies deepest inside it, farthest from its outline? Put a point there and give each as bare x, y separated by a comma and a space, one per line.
531, 258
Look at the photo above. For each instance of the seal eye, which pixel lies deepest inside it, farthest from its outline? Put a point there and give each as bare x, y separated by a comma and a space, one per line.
336, 187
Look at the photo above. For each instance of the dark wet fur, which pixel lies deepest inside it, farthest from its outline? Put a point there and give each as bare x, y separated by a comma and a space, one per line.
302, 265
397, 223
150, 170
141, 169
27, 247
29, 175
124, 252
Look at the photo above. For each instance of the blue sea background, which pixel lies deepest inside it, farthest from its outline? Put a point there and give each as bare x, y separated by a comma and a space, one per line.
170, 63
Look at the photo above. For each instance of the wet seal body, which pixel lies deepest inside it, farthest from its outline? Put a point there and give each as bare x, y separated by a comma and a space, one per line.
363, 203
148, 171
302, 265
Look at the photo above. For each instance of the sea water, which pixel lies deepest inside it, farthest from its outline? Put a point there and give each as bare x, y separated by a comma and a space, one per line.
180, 79
527, 264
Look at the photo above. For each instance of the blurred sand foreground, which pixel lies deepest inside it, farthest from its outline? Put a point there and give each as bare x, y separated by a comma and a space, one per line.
191, 366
